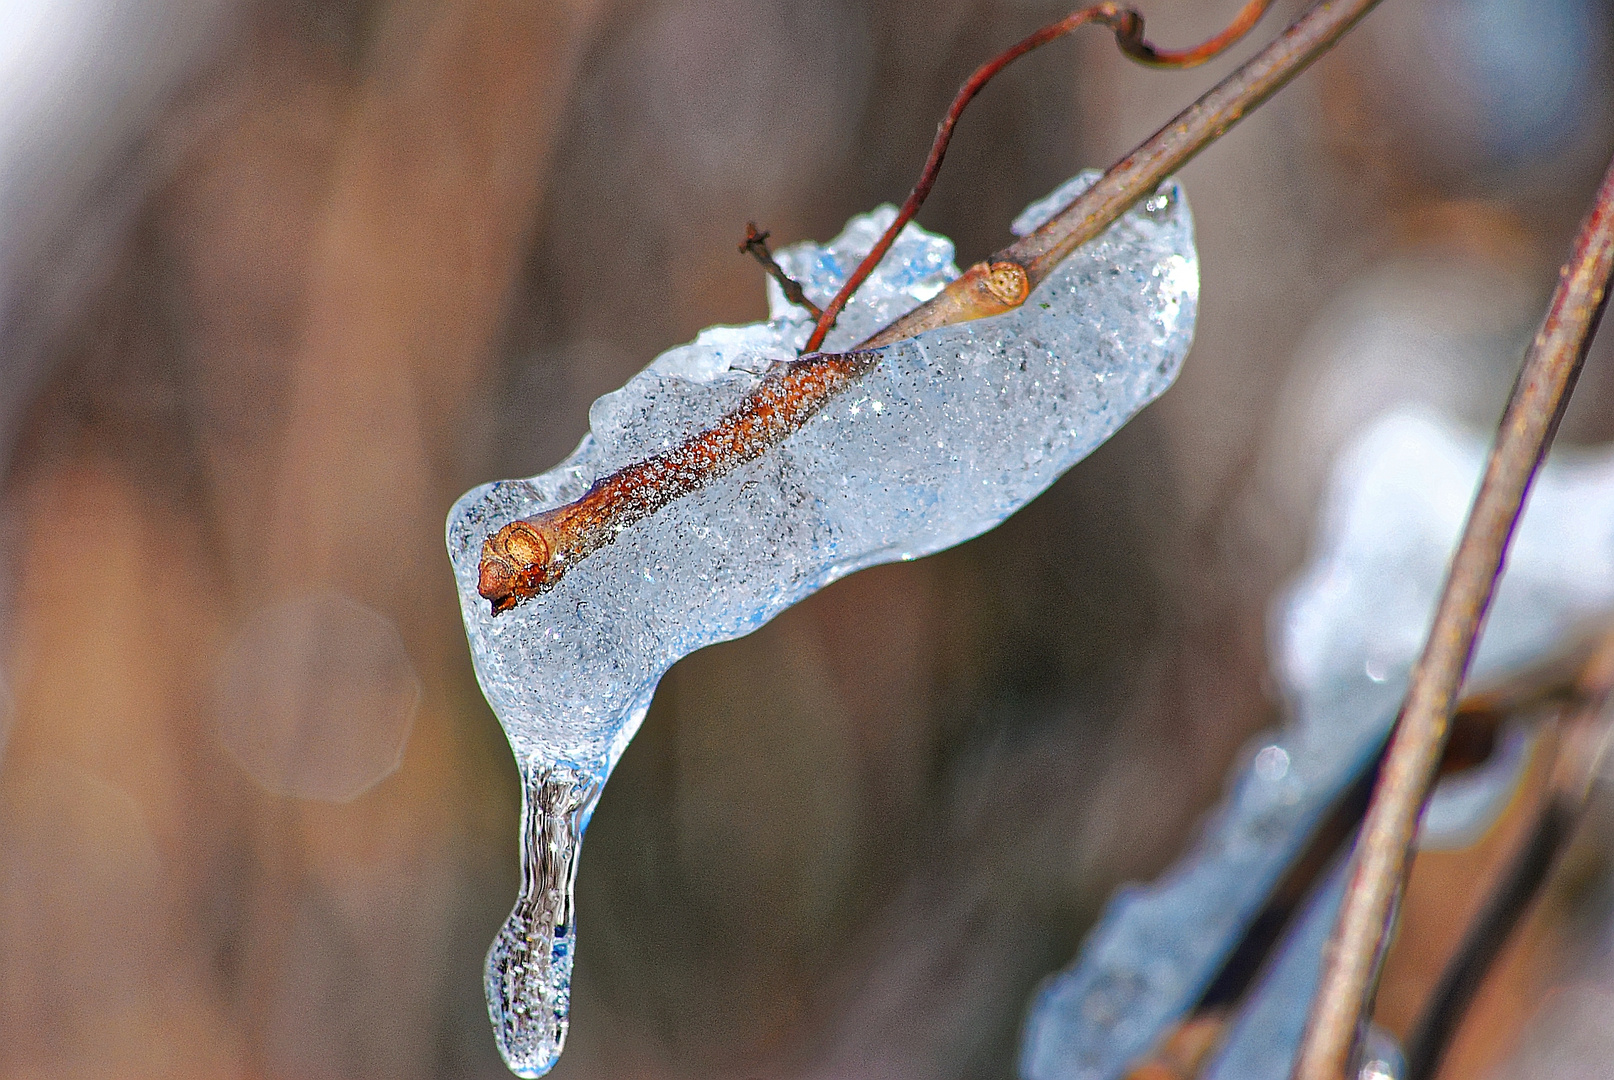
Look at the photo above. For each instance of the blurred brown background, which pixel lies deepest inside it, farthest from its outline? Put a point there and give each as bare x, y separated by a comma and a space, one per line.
279, 280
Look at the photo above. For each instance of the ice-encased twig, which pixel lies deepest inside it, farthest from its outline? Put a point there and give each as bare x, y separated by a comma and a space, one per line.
945, 436
1344, 638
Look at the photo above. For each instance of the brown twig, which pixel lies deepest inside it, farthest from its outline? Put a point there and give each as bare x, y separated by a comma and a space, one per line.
529, 556
525, 558
755, 245
1136, 175
1009, 283
1545, 382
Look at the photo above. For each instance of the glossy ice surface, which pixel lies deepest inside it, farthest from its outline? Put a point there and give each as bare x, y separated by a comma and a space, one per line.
949, 434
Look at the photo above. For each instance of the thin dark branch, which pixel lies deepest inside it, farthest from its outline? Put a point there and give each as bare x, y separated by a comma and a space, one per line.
1531, 867
755, 245
1483, 942
1128, 27
1545, 382
1583, 735
1136, 175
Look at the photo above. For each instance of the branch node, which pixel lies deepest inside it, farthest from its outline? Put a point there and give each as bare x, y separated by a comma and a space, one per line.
755, 245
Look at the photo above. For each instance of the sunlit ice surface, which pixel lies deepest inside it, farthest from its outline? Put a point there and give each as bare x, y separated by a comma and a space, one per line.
947, 435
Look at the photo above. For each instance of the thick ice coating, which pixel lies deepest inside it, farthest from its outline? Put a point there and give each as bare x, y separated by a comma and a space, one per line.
948, 434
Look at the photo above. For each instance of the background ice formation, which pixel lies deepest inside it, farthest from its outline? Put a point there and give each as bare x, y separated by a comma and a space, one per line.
1345, 639
948, 435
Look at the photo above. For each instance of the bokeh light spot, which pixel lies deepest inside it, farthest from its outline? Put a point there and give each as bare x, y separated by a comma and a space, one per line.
316, 697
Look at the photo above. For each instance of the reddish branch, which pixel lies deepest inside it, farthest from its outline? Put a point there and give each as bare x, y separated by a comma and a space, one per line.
526, 557
1010, 284
1140, 172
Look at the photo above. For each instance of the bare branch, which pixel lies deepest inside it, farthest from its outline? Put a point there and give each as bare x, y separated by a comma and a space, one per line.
1547, 378
755, 245
526, 557
1128, 27
1136, 175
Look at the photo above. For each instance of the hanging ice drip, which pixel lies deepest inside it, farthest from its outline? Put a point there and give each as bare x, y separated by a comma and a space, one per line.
529, 967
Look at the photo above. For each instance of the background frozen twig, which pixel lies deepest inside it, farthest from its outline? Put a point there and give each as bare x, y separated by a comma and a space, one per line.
1540, 396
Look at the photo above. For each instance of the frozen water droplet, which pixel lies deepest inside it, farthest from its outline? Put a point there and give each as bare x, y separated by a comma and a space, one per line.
1272, 764
1158, 205
1382, 1057
529, 967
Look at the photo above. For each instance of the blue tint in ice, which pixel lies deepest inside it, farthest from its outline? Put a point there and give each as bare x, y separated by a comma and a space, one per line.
1344, 638
950, 433
1261, 1042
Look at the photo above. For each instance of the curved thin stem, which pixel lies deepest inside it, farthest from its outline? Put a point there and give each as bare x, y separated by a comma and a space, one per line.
1138, 174
1128, 26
